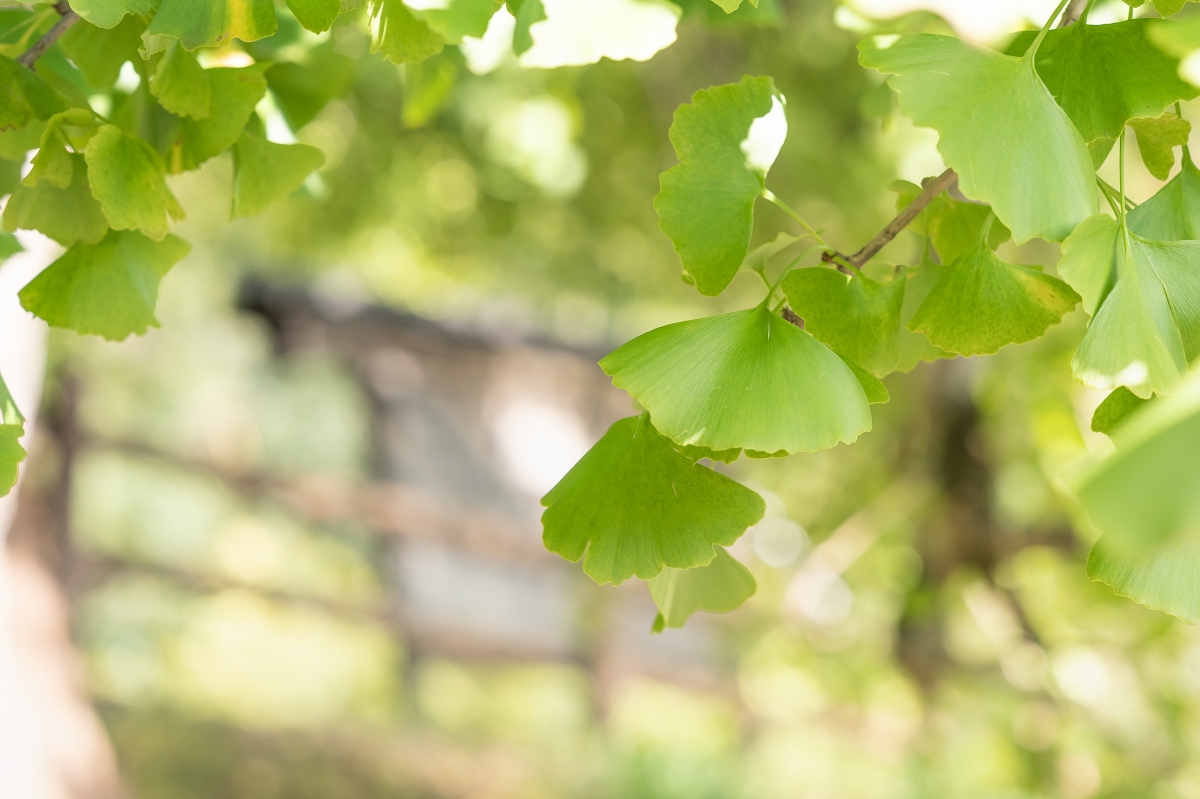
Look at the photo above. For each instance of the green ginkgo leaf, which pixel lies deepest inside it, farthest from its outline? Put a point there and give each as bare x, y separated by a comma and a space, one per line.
25, 96
66, 215
1105, 75
454, 19
526, 13
1148, 491
1173, 214
1144, 299
633, 505
729, 6
100, 53
1165, 577
914, 347
180, 84
981, 303
999, 128
209, 23
399, 36
315, 15
107, 289
108, 13
1157, 138
1116, 408
53, 160
859, 318
9, 246
953, 226
726, 139
721, 586
264, 171
745, 380
235, 92
128, 178
11, 455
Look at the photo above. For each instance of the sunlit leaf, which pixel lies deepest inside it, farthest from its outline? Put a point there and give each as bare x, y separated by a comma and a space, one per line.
981, 303
235, 92
399, 36
1116, 408
107, 13
857, 317
24, 96
572, 33
726, 139
128, 178
1165, 577
180, 84
634, 505
65, 215
1144, 300
999, 128
107, 289
729, 6
748, 380
100, 53
264, 172
1173, 214
1157, 138
721, 586
209, 23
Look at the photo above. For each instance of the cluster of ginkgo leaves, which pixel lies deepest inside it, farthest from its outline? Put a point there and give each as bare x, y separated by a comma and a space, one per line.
1024, 131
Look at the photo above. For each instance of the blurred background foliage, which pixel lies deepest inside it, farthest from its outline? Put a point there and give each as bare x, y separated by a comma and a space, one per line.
923, 627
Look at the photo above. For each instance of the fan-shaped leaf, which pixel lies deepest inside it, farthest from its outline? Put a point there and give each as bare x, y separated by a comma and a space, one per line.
454, 19
1157, 139
67, 215
315, 15
235, 92
981, 303
399, 36
1165, 577
107, 13
181, 85
107, 289
1173, 214
726, 140
100, 53
264, 172
998, 127
1144, 299
1116, 408
128, 178
721, 586
745, 380
209, 23
635, 505
24, 96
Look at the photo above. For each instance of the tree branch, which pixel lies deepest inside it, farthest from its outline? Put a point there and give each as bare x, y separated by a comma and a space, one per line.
43, 44
1073, 12
933, 188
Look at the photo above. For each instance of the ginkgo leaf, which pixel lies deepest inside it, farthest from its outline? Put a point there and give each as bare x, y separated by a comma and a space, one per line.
11, 455
100, 53
1173, 214
1165, 577
25, 96
1144, 300
745, 380
999, 128
180, 84
209, 23
981, 303
952, 225
128, 178
53, 160
9, 412
633, 505
1148, 490
914, 347
107, 289
9, 246
315, 15
301, 90
1116, 408
1157, 138
108, 13
721, 586
235, 92
1105, 75
726, 139
525, 12
729, 6
399, 36
264, 171
859, 318
454, 19
66, 215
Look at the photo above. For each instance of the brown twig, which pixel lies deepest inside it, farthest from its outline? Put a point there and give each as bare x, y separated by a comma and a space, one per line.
1073, 12
68, 18
932, 189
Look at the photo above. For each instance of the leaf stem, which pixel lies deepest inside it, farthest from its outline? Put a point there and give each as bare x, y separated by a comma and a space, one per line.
1033, 48
1113, 192
787, 270
787, 209
1107, 191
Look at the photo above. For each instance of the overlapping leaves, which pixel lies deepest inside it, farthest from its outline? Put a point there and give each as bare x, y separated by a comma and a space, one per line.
718, 587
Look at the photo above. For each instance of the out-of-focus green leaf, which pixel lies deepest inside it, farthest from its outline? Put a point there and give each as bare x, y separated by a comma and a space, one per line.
526, 12
24, 96
999, 128
209, 23
128, 178
1105, 75
1157, 139
315, 15
726, 139
264, 172
108, 13
981, 303
454, 19
9, 246
1164, 577
235, 92
399, 36
857, 317
1144, 300
1173, 214
99, 52
107, 289
11, 455
745, 380
15, 144
1115, 409
301, 90
721, 586
65, 215
180, 84
635, 505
